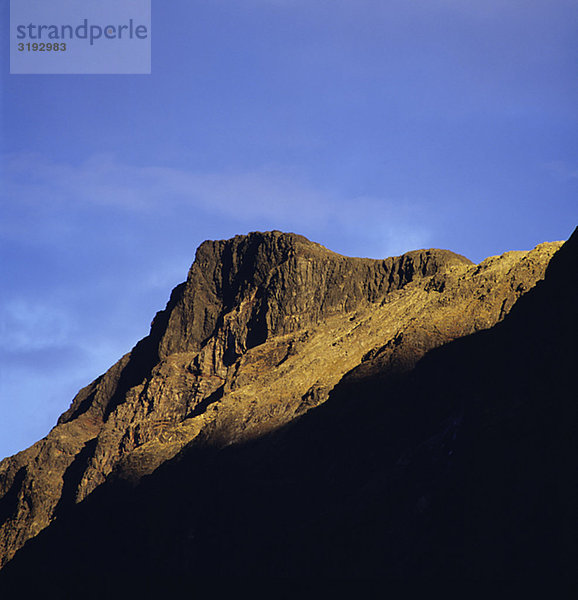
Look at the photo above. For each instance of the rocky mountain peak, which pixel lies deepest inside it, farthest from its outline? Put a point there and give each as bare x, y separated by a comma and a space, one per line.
265, 326
264, 284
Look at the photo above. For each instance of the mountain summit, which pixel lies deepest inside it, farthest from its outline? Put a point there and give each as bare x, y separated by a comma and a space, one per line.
297, 412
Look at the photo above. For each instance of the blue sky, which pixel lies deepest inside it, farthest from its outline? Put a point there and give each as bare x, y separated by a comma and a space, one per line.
371, 126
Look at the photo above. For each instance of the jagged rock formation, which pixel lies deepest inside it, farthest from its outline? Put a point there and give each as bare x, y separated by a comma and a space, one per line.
266, 327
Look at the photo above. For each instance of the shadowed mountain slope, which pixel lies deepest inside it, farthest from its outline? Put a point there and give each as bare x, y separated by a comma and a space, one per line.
280, 390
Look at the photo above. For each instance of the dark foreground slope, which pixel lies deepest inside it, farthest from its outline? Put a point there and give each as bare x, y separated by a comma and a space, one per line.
464, 467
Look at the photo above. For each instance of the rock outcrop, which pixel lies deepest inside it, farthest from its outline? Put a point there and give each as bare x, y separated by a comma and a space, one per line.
267, 327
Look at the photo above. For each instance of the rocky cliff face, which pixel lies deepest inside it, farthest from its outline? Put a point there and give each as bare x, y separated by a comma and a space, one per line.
266, 327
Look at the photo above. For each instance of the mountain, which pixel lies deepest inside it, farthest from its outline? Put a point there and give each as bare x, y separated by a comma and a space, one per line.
294, 412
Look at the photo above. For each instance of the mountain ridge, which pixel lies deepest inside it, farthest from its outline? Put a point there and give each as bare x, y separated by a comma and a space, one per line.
265, 326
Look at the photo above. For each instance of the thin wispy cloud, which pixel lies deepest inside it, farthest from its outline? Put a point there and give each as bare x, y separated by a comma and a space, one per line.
562, 171
33, 325
268, 196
